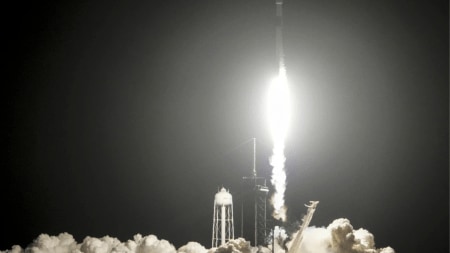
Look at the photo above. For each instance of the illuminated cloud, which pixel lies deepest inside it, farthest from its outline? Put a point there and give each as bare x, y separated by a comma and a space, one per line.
63, 243
338, 237
192, 247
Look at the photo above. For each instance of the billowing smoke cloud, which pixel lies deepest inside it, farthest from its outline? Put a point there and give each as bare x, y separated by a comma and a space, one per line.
234, 246
192, 247
338, 237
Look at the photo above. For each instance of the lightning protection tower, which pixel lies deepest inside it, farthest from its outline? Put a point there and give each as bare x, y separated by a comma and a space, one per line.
253, 206
223, 227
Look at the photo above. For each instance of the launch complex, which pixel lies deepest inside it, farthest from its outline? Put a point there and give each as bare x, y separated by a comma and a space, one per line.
254, 200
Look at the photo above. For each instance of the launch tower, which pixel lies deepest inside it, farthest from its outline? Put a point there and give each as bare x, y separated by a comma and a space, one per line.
254, 205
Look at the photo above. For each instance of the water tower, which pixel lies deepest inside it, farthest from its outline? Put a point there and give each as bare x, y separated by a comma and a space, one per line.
223, 227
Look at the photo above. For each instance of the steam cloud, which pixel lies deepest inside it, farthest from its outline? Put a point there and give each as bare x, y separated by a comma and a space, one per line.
338, 237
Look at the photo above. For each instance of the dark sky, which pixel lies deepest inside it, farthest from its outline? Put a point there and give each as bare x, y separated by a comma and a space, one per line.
124, 117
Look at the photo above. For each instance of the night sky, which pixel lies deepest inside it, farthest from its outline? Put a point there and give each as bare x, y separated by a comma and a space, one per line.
124, 117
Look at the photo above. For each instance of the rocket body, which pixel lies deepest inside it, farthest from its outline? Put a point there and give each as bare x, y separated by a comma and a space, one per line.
279, 33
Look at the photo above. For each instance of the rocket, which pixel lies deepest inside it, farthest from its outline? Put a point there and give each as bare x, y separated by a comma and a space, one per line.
279, 35
279, 114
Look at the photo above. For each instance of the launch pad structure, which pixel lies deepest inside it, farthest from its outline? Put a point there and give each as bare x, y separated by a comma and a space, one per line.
296, 243
254, 205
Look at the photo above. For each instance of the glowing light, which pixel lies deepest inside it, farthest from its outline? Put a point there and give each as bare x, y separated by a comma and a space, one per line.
279, 117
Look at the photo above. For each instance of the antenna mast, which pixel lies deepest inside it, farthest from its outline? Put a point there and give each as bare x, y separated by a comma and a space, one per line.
254, 157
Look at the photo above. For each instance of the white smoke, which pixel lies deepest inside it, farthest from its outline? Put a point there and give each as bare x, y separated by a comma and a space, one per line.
233, 246
278, 110
338, 237
63, 243
192, 247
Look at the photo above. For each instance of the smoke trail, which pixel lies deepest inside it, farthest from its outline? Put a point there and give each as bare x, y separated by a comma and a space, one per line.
279, 115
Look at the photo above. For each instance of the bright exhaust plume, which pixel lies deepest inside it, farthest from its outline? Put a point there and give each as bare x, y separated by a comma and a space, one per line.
279, 110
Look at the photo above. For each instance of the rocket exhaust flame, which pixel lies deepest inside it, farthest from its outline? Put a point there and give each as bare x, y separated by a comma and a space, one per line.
279, 116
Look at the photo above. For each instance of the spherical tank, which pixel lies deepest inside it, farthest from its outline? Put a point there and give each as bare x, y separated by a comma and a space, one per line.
223, 197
